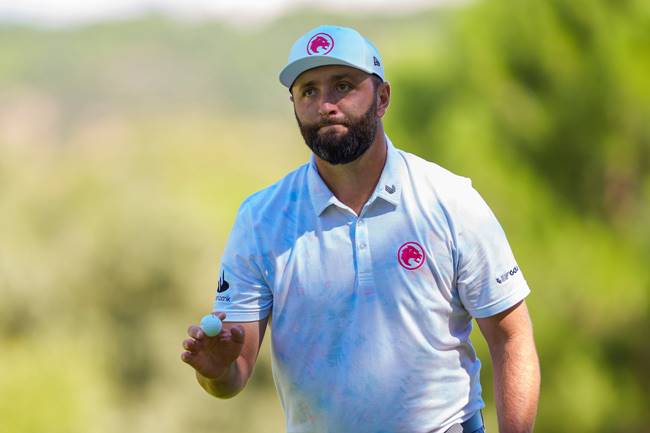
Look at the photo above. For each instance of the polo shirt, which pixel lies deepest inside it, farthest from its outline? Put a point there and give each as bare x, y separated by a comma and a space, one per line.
371, 314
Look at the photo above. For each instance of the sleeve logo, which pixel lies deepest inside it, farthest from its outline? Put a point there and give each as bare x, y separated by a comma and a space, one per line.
223, 284
504, 277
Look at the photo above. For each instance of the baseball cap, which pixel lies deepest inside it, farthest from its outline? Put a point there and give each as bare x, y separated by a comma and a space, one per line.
331, 45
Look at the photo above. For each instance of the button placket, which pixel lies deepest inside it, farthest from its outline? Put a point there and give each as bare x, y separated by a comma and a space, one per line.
364, 258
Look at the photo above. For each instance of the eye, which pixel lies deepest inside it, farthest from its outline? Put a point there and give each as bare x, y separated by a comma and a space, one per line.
343, 87
308, 91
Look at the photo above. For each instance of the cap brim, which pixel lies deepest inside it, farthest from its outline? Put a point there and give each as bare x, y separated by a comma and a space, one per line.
290, 72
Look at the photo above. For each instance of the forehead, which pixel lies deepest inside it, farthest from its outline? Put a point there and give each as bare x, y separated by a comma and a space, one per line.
330, 72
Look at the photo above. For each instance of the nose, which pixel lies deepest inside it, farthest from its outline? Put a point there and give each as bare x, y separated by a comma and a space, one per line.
327, 109
327, 106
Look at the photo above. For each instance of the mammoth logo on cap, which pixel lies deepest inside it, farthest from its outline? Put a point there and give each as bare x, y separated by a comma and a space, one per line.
320, 44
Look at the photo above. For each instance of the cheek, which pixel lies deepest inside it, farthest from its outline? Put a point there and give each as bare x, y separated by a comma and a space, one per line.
300, 116
306, 112
356, 110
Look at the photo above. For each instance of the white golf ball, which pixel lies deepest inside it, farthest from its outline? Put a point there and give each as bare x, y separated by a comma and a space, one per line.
211, 325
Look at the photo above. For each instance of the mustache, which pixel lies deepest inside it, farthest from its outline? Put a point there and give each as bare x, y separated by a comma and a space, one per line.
330, 122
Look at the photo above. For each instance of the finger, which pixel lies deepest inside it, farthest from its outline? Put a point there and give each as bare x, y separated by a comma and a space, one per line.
224, 335
220, 315
237, 333
195, 332
188, 358
191, 345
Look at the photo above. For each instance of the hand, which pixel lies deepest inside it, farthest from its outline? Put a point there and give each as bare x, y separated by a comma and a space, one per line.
212, 356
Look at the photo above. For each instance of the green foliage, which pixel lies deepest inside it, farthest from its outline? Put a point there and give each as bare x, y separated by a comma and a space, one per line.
564, 85
126, 148
542, 104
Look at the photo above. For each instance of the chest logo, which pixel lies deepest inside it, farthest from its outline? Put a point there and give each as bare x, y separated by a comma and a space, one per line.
320, 44
411, 255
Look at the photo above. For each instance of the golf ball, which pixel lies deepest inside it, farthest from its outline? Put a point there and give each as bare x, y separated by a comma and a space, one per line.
211, 325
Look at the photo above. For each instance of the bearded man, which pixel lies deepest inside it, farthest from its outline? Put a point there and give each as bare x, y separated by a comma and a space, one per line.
370, 264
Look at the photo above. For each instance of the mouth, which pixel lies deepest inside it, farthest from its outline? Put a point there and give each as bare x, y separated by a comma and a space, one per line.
333, 126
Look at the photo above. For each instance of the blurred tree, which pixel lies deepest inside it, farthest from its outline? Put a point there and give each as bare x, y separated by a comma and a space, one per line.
545, 105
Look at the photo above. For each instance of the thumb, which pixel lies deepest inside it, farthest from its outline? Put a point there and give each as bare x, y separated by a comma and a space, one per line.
238, 334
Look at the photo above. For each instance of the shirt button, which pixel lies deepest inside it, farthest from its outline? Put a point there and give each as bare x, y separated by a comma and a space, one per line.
362, 245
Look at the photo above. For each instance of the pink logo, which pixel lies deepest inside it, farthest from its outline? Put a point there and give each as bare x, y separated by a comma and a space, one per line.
320, 44
411, 256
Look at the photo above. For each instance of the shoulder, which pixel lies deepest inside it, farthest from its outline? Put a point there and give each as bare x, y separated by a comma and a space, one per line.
426, 177
444, 193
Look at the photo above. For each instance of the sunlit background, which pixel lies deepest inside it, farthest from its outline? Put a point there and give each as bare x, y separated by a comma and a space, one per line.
130, 132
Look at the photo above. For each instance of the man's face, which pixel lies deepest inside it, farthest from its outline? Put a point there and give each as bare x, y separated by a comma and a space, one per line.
336, 110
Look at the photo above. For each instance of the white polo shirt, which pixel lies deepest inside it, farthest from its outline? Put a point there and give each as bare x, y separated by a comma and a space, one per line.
371, 315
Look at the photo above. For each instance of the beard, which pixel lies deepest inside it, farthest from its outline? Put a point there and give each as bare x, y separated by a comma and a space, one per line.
341, 149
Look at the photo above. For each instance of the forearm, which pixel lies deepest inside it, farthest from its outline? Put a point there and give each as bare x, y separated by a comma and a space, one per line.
229, 384
516, 384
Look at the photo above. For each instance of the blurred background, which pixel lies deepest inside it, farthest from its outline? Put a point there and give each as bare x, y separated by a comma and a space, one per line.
130, 134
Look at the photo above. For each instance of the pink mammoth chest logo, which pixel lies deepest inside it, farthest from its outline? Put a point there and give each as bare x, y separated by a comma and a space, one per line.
320, 44
411, 255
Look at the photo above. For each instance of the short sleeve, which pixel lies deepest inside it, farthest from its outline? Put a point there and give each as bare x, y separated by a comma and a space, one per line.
242, 292
489, 279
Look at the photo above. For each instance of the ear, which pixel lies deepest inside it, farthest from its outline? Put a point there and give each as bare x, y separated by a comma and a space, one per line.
383, 98
291, 97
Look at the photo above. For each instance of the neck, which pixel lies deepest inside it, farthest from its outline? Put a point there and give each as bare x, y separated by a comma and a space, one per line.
354, 183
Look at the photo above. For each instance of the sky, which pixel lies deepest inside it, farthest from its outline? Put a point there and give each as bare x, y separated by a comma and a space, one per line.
66, 12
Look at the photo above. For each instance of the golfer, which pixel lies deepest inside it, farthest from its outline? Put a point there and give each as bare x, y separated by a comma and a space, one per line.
370, 264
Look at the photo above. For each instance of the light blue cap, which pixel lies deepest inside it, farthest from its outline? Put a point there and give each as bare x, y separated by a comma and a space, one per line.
331, 45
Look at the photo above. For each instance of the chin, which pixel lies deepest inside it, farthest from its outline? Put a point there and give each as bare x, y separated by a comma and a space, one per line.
334, 138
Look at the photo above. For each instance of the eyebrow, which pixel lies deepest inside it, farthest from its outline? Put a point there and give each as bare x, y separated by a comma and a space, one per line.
332, 78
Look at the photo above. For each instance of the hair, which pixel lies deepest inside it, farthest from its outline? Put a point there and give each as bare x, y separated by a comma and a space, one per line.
376, 81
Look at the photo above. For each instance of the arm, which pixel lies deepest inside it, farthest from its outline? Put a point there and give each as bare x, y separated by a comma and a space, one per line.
509, 336
224, 363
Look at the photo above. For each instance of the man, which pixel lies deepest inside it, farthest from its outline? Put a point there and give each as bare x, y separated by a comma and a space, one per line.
370, 263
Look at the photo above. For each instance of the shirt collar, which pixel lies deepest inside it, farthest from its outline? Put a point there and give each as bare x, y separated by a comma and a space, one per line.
388, 188
320, 194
